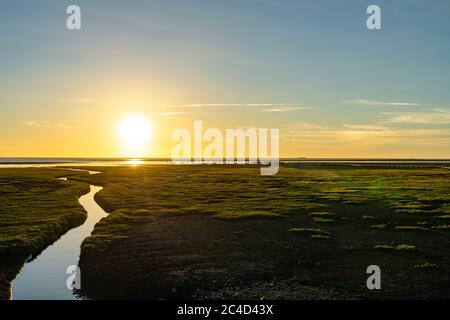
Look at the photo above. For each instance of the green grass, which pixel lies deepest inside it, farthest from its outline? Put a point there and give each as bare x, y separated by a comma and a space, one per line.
322, 214
246, 215
115, 227
241, 198
321, 237
400, 247
239, 209
309, 231
36, 209
426, 265
411, 228
322, 220
381, 226
441, 227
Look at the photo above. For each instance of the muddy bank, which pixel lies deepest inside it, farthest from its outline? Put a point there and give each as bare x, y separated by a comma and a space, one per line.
9, 269
195, 256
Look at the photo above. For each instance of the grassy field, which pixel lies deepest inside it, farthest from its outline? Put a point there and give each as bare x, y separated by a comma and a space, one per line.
227, 232
35, 210
221, 232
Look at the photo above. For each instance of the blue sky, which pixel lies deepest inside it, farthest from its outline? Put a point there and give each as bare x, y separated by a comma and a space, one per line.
311, 68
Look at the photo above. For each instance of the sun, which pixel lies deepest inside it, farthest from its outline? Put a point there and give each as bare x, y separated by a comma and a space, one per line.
135, 132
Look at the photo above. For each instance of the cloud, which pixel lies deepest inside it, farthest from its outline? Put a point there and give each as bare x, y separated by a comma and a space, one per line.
213, 107
65, 100
365, 127
365, 136
283, 109
206, 105
307, 126
438, 116
381, 103
173, 113
7, 142
47, 124
76, 100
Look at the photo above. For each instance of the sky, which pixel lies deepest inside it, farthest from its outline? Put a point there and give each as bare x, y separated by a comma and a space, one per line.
310, 68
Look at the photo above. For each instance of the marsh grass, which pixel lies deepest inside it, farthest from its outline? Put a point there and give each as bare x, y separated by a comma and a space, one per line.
309, 231
400, 247
254, 206
247, 215
381, 226
322, 214
322, 220
426, 265
441, 227
321, 237
35, 210
114, 227
411, 228
238, 198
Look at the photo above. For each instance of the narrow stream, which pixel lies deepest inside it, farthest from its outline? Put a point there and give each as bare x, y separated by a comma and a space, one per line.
45, 277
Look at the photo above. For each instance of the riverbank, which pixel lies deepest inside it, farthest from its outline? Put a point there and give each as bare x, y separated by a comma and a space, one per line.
36, 209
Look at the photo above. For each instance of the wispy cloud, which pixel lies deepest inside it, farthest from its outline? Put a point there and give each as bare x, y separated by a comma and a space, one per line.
437, 116
365, 136
283, 109
64, 100
206, 105
48, 124
173, 113
307, 126
216, 107
365, 127
366, 102
7, 142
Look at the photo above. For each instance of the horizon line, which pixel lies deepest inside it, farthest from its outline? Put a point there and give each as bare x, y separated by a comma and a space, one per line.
246, 158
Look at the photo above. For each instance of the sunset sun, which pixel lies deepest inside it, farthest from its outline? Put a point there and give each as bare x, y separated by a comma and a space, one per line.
135, 132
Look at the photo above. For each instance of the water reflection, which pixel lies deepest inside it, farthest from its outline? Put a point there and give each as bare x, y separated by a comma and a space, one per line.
135, 162
45, 277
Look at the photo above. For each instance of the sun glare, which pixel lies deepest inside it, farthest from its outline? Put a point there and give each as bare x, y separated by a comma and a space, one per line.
135, 132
